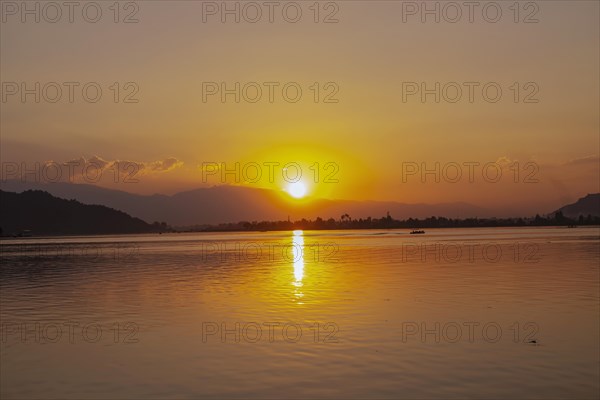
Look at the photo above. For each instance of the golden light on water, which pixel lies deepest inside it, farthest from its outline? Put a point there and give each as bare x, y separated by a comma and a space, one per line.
298, 257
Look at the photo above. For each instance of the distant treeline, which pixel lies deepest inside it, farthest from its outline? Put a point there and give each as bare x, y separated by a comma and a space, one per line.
35, 212
346, 222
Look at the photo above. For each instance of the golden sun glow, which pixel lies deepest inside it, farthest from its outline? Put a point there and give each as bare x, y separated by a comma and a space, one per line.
297, 189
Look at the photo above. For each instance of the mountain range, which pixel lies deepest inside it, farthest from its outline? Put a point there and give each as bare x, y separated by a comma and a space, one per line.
588, 205
41, 213
222, 204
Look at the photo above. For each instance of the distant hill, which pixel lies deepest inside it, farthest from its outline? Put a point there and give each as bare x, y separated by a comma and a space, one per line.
224, 203
588, 205
43, 214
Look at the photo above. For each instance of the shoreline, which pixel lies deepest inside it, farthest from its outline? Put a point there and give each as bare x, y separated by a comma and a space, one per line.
177, 232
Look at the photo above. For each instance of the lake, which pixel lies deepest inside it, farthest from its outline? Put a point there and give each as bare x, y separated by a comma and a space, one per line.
454, 313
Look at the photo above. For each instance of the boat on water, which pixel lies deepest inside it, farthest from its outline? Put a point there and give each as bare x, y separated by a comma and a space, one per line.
417, 232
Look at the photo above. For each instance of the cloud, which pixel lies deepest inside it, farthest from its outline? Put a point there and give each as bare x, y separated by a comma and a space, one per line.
95, 168
584, 160
98, 161
165, 165
504, 161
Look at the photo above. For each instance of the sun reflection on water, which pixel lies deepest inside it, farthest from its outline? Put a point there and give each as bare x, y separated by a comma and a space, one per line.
298, 257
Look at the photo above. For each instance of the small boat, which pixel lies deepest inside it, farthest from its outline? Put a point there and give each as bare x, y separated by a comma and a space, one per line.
417, 232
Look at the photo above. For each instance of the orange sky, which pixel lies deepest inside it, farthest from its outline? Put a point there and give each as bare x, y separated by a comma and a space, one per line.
367, 136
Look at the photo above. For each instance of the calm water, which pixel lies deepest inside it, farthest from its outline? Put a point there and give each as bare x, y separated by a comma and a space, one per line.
461, 313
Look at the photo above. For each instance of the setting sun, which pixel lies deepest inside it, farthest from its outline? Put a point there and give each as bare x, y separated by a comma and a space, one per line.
297, 189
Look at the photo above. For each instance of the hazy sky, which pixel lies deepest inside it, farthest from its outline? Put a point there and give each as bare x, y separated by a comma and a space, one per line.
369, 61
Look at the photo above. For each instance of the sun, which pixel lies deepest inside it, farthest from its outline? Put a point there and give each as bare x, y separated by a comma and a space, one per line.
297, 189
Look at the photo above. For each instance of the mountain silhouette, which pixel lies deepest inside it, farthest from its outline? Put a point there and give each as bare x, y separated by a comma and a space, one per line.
588, 205
222, 204
43, 214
